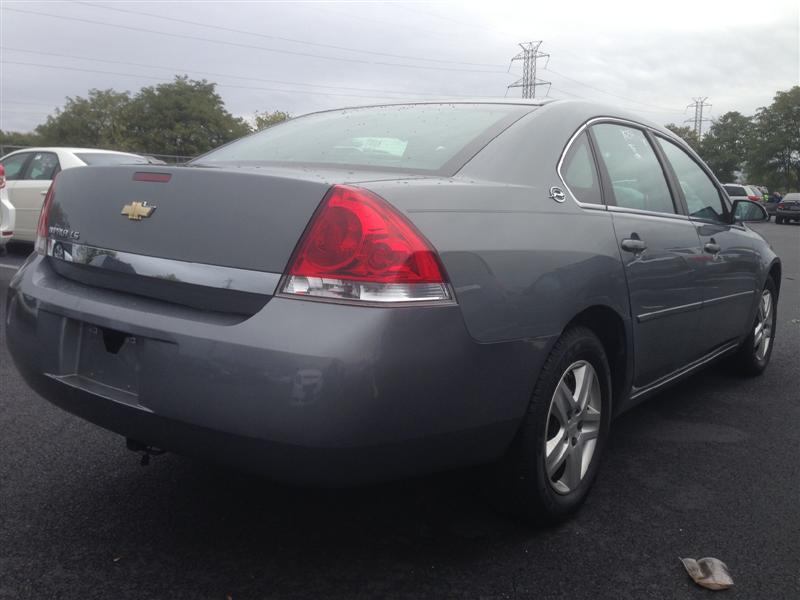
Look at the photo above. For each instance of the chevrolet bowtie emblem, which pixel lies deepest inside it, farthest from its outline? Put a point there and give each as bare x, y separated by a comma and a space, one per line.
136, 211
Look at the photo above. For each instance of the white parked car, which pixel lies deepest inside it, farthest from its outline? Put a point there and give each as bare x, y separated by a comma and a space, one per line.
29, 172
7, 213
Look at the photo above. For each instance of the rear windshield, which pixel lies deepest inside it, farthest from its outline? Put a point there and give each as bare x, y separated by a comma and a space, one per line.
426, 137
106, 159
735, 190
792, 197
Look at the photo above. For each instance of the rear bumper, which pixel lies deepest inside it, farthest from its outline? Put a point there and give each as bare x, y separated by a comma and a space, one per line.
303, 391
788, 214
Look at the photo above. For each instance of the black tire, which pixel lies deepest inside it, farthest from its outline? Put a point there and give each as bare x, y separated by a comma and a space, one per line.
521, 485
778, 220
748, 360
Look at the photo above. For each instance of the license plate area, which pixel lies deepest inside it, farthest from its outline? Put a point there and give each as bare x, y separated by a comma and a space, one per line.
110, 357
104, 361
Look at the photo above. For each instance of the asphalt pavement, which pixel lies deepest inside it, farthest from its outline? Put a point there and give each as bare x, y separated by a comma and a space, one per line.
707, 468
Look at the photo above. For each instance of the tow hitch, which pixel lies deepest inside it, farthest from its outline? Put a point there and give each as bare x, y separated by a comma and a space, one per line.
143, 449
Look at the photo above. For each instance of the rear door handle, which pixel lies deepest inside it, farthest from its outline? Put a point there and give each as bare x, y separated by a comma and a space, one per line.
712, 248
633, 245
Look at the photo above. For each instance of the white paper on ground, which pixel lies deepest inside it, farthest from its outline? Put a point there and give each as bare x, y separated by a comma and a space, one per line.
708, 572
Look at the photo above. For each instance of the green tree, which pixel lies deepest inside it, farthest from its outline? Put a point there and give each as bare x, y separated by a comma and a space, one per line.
11, 139
185, 117
98, 121
268, 119
686, 133
724, 147
774, 156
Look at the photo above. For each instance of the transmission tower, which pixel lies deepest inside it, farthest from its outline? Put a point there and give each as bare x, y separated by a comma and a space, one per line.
529, 56
697, 122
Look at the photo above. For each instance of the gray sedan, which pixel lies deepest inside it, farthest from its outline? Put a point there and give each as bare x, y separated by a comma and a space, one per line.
379, 292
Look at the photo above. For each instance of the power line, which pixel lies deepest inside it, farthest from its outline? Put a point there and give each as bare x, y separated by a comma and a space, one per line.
602, 91
250, 46
529, 56
223, 85
697, 122
214, 74
287, 39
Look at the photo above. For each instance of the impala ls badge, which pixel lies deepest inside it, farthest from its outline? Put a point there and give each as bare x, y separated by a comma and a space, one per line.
136, 211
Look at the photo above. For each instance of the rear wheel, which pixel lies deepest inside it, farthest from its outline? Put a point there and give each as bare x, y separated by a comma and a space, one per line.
778, 220
553, 461
754, 354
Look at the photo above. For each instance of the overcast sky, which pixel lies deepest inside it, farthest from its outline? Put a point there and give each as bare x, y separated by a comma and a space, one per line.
649, 57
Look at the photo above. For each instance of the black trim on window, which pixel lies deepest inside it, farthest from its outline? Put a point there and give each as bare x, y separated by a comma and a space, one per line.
669, 173
606, 191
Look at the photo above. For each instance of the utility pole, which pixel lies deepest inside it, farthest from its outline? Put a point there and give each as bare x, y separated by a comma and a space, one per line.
697, 122
529, 56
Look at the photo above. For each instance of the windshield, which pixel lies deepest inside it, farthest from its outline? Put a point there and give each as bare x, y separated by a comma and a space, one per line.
418, 136
106, 159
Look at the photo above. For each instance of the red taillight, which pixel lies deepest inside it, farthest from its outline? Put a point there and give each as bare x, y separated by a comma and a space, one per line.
781, 205
755, 198
41, 228
359, 248
2, 177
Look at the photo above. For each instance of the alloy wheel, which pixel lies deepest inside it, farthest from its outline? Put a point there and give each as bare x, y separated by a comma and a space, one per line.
573, 426
762, 335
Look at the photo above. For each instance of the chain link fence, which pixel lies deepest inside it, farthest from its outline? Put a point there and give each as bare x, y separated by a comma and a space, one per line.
170, 159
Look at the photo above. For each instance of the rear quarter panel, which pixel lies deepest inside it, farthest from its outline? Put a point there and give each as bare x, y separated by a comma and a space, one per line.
522, 265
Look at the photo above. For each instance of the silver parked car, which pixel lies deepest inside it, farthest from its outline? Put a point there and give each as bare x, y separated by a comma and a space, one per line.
378, 292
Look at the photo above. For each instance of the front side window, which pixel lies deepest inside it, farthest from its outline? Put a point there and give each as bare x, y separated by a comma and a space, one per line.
13, 165
580, 173
637, 179
702, 198
43, 166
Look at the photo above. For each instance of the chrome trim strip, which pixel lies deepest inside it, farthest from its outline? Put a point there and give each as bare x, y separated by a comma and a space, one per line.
201, 274
668, 311
649, 213
684, 370
728, 297
687, 307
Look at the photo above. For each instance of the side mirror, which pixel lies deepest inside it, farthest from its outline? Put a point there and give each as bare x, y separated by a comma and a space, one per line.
748, 211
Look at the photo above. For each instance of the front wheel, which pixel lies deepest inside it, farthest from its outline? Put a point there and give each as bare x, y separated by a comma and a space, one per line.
553, 461
754, 354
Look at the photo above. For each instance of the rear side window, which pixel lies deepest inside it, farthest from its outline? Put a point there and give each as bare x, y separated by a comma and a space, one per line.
13, 165
637, 179
425, 137
580, 172
735, 190
702, 198
108, 159
43, 166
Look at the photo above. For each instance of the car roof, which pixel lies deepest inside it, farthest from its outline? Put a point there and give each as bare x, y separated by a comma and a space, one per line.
566, 106
71, 149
